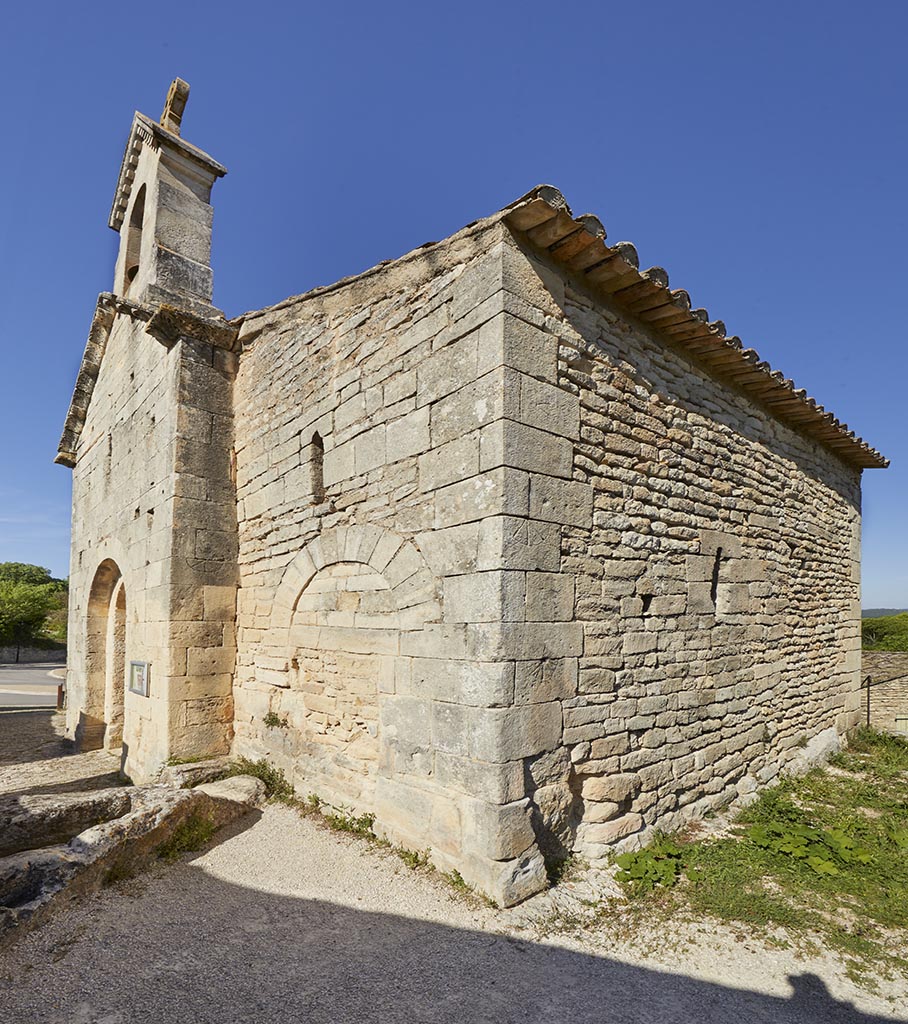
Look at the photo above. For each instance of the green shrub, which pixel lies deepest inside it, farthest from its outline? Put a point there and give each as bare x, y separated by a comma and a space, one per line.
412, 858
661, 863
357, 825
276, 785
885, 633
820, 850
192, 834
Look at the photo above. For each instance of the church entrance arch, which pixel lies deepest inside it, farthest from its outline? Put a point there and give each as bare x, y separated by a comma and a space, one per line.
102, 715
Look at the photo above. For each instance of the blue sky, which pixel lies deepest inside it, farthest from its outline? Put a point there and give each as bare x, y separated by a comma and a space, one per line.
757, 151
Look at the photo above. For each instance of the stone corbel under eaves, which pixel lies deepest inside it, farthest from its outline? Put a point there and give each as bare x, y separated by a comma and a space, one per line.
99, 332
170, 323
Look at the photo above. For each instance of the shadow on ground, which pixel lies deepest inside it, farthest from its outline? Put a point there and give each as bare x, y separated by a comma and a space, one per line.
36, 757
27, 736
81, 784
187, 947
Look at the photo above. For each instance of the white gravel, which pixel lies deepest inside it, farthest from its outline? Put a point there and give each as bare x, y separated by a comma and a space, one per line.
284, 921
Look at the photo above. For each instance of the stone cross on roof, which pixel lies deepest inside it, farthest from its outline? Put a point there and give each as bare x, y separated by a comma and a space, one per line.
177, 95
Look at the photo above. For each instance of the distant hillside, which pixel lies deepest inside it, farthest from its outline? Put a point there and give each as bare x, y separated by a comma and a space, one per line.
875, 613
885, 633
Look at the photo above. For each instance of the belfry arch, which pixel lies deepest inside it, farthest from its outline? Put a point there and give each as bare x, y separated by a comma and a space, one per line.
102, 716
134, 240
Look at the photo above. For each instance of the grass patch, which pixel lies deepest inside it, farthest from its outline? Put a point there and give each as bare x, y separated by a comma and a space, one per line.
274, 721
353, 824
824, 857
173, 762
461, 886
414, 859
880, 755
456, 880
191, 835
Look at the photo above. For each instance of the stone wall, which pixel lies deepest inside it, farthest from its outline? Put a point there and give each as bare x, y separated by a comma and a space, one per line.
122, 518
153, 513
49, 655
715, 558
409, 378
615, 592
888, 671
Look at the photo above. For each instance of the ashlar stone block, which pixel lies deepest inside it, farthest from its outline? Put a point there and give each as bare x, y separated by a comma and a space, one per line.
508, 542
496, 734
499, 831
537, 682
457, 460
408, 435
485, 597
506, 443
508, 882
561, 501
500, 491
476, 683
549, 597
497, 783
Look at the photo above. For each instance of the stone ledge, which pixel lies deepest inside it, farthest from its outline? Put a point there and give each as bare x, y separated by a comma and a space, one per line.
35, 883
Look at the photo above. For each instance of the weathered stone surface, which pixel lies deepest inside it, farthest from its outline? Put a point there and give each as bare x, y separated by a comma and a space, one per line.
610, 831
555, 814
604, 810
508, 882
29, 821
500, 831
34, 882
616, 788
239, 789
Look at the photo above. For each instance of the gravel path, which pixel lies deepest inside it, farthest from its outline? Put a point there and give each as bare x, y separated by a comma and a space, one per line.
284, 921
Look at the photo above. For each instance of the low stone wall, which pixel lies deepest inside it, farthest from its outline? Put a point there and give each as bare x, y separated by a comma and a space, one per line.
32, 655
888, 671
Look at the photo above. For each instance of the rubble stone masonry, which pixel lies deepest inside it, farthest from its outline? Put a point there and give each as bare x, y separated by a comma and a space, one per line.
589, 590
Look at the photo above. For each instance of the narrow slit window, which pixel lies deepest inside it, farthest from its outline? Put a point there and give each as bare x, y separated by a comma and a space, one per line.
316, 468
134, 239
714, 585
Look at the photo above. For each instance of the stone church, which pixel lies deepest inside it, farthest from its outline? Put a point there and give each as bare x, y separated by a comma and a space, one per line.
501, 542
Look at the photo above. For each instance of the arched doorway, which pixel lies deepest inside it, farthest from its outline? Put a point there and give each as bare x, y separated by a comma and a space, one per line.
101, 717
343, 712
344, 634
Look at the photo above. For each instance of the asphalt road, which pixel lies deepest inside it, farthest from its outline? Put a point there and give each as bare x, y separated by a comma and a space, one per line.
28, 686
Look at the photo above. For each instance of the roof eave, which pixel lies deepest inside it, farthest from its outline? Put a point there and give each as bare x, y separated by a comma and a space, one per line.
544, 218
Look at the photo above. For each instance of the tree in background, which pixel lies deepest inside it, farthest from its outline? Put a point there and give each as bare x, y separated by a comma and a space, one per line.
22, 572
885, 633
32, 606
